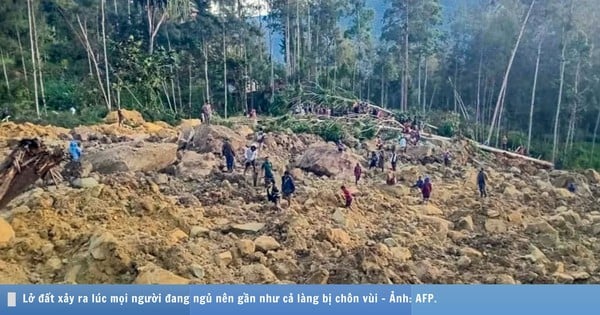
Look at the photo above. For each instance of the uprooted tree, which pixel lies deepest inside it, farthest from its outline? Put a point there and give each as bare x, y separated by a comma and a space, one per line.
29, 161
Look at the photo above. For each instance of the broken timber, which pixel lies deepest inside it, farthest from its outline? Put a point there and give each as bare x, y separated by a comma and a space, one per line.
514, 155
509, 154
27, 163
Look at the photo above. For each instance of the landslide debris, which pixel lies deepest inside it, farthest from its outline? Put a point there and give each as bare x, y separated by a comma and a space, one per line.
141, 213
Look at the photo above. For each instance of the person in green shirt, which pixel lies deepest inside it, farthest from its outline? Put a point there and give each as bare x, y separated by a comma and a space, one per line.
268, 169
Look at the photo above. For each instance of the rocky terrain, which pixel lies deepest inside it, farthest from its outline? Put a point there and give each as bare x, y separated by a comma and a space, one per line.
142, 212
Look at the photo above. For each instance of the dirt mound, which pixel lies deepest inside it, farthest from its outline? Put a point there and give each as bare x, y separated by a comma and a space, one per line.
10, 130
200, 225
132, 118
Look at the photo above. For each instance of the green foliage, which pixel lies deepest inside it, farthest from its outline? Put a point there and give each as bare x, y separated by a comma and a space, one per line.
86, 116
450, 125
329, 130
448, 129
516, 139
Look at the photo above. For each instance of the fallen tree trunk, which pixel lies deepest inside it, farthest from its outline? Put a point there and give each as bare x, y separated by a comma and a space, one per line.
515, 155
27, 163
508, 154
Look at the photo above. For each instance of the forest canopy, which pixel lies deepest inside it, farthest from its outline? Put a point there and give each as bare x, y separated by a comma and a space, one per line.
522, 68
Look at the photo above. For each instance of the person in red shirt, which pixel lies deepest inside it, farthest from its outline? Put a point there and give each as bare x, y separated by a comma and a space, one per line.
357, 173
347, 196
426, 190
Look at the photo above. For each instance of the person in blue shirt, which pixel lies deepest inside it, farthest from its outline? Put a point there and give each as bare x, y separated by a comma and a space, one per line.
75, 151
571, 187
419, 184
374, 160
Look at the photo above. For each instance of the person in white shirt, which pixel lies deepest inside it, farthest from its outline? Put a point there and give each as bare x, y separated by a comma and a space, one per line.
73, 110
250, 157
403, 144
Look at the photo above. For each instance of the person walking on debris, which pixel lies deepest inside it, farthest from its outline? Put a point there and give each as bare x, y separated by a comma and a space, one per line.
273, 193
381, 161
504, 143
357, 173
206, 113
426, 190
120, 117
374, 160
403, 144
481, 183
260, 138
75, 151
255, 177
347, 196
250, 156
229, 155
379, 143
340, 146
287, 187
418, 184
571, 187
391, 179
447, 158
394, 160
267, 166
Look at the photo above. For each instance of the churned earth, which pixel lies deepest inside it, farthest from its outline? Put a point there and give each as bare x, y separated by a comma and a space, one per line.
144, 212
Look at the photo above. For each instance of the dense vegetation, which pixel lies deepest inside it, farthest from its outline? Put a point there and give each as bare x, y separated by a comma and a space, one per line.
166, 57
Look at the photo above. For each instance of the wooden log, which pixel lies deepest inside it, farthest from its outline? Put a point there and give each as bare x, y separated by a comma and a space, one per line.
487, 148
515, 155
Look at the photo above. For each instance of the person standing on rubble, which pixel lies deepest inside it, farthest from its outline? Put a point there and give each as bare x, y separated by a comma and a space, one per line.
206, 113
381, 160
267, 167
447, 158
229, 155
357, 173
120, 117
75, 151
426, 190
347, 196
250, 156
481, 183
287, 187
394, 160
273, 193
403, 144
374, 160
419, 183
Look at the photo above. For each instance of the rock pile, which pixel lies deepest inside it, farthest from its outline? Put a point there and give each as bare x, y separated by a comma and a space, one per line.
130, 220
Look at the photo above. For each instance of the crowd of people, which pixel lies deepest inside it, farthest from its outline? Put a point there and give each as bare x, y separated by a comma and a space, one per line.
250, 158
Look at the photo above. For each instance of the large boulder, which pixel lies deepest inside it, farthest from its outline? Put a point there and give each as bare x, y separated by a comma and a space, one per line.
84, 133
132, 158
196, 165
209, 139
560, 179
326, 160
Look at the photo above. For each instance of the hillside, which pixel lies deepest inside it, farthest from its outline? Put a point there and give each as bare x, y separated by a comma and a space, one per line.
144, 213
